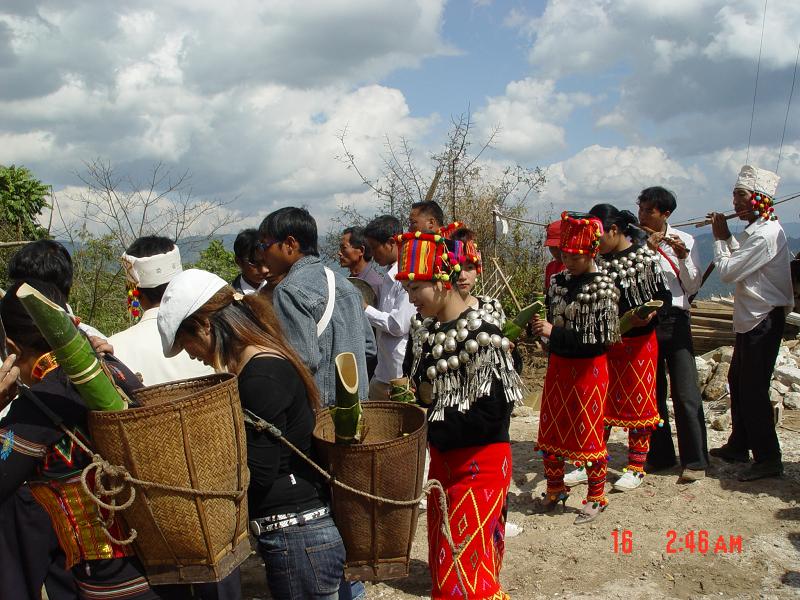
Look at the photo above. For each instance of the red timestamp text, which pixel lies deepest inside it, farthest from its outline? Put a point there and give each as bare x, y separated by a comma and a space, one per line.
691, 542
700, 542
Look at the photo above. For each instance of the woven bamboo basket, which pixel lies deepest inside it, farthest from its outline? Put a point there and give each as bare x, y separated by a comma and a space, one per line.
388, 463
188, 434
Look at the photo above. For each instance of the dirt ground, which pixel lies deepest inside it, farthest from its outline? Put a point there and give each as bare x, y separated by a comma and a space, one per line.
552, 558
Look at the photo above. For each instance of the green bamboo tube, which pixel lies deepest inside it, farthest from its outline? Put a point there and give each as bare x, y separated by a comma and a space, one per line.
513, 328
642, 311
73, 351
347, 412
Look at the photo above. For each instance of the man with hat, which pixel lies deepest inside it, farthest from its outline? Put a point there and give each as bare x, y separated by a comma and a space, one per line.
757, 261
150, 263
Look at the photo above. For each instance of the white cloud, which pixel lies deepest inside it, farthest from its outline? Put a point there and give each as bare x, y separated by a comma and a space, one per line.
250, 97
616, 176
530, 116
685, 68
729, 160
19, 148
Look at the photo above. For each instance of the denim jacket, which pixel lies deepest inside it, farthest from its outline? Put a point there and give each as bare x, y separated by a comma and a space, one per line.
299, 301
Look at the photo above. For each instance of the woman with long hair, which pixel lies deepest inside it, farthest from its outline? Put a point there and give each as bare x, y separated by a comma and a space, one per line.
287, 500
631, 401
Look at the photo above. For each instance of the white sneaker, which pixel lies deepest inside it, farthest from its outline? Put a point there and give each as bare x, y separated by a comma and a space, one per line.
577, 477
512, 529
630, 480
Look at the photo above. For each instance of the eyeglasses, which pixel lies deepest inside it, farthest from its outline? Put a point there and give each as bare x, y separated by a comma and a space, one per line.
264, 246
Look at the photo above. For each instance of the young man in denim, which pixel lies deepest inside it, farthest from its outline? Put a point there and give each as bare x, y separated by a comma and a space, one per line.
288, 247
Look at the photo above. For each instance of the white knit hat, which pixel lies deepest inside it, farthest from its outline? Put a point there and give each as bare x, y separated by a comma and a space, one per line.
184, 295
757, 180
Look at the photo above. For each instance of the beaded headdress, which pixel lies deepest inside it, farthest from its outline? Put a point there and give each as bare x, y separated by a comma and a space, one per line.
465, 252
580, 233
762, 185
447, 231
423, 257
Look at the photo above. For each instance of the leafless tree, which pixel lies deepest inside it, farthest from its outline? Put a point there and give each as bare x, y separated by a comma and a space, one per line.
468, 190
160, 204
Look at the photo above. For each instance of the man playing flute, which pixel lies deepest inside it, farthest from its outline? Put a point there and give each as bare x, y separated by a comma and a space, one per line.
757, 261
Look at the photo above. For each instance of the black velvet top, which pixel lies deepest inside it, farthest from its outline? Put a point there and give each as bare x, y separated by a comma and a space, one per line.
649, 283
595, 320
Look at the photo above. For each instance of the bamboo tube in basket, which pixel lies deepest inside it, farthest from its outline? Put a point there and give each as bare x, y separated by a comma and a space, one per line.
347, 412
73, 351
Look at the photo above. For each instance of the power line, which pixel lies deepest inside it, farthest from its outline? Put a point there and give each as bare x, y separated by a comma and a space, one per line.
755, 88
788, 105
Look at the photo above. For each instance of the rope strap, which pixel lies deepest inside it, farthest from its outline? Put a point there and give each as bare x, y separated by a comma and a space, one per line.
111, 480
260, 424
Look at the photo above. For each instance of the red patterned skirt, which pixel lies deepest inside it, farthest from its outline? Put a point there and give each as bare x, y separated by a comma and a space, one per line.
573, 402
476, 481
631, 398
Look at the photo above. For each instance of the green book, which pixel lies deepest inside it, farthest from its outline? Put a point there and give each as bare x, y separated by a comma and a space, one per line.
642, 311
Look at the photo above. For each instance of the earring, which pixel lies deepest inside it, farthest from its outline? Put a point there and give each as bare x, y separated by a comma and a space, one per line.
134, 306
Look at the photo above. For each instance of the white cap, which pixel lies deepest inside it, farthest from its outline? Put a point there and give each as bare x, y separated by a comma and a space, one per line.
184, 295
152, 271
757, 180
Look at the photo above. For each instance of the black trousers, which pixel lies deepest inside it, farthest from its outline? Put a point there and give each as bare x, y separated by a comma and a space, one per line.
676, 357
753, 425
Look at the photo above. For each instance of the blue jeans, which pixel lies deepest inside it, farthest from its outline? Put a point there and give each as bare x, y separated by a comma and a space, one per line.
304, 561
352, 590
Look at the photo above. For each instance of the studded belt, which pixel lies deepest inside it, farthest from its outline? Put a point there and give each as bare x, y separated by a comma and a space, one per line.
275, 522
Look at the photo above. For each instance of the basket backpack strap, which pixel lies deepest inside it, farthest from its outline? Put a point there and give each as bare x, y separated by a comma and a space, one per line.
326, 316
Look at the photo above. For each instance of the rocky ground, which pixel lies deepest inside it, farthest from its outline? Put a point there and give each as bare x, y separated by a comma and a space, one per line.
752, 529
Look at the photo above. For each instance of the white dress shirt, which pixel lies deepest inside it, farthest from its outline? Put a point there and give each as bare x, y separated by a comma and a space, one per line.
689, 277
248, 289
139, 349
757, 261
392, 322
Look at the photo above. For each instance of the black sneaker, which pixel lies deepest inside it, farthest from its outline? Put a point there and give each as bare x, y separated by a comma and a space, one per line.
761, 470
729, 454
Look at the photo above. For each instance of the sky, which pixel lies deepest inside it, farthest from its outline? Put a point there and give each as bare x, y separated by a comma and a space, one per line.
251, 97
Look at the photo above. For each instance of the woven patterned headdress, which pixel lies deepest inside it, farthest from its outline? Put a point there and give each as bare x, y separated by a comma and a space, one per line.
423, 257
465, 253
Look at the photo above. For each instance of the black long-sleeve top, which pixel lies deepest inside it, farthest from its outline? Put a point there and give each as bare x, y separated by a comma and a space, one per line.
28, 437
488, 418
280, 481
658, 291
567, 340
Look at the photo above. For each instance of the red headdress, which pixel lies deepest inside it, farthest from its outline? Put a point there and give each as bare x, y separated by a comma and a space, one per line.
465, 253
423, 257
580, 233
447, 231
